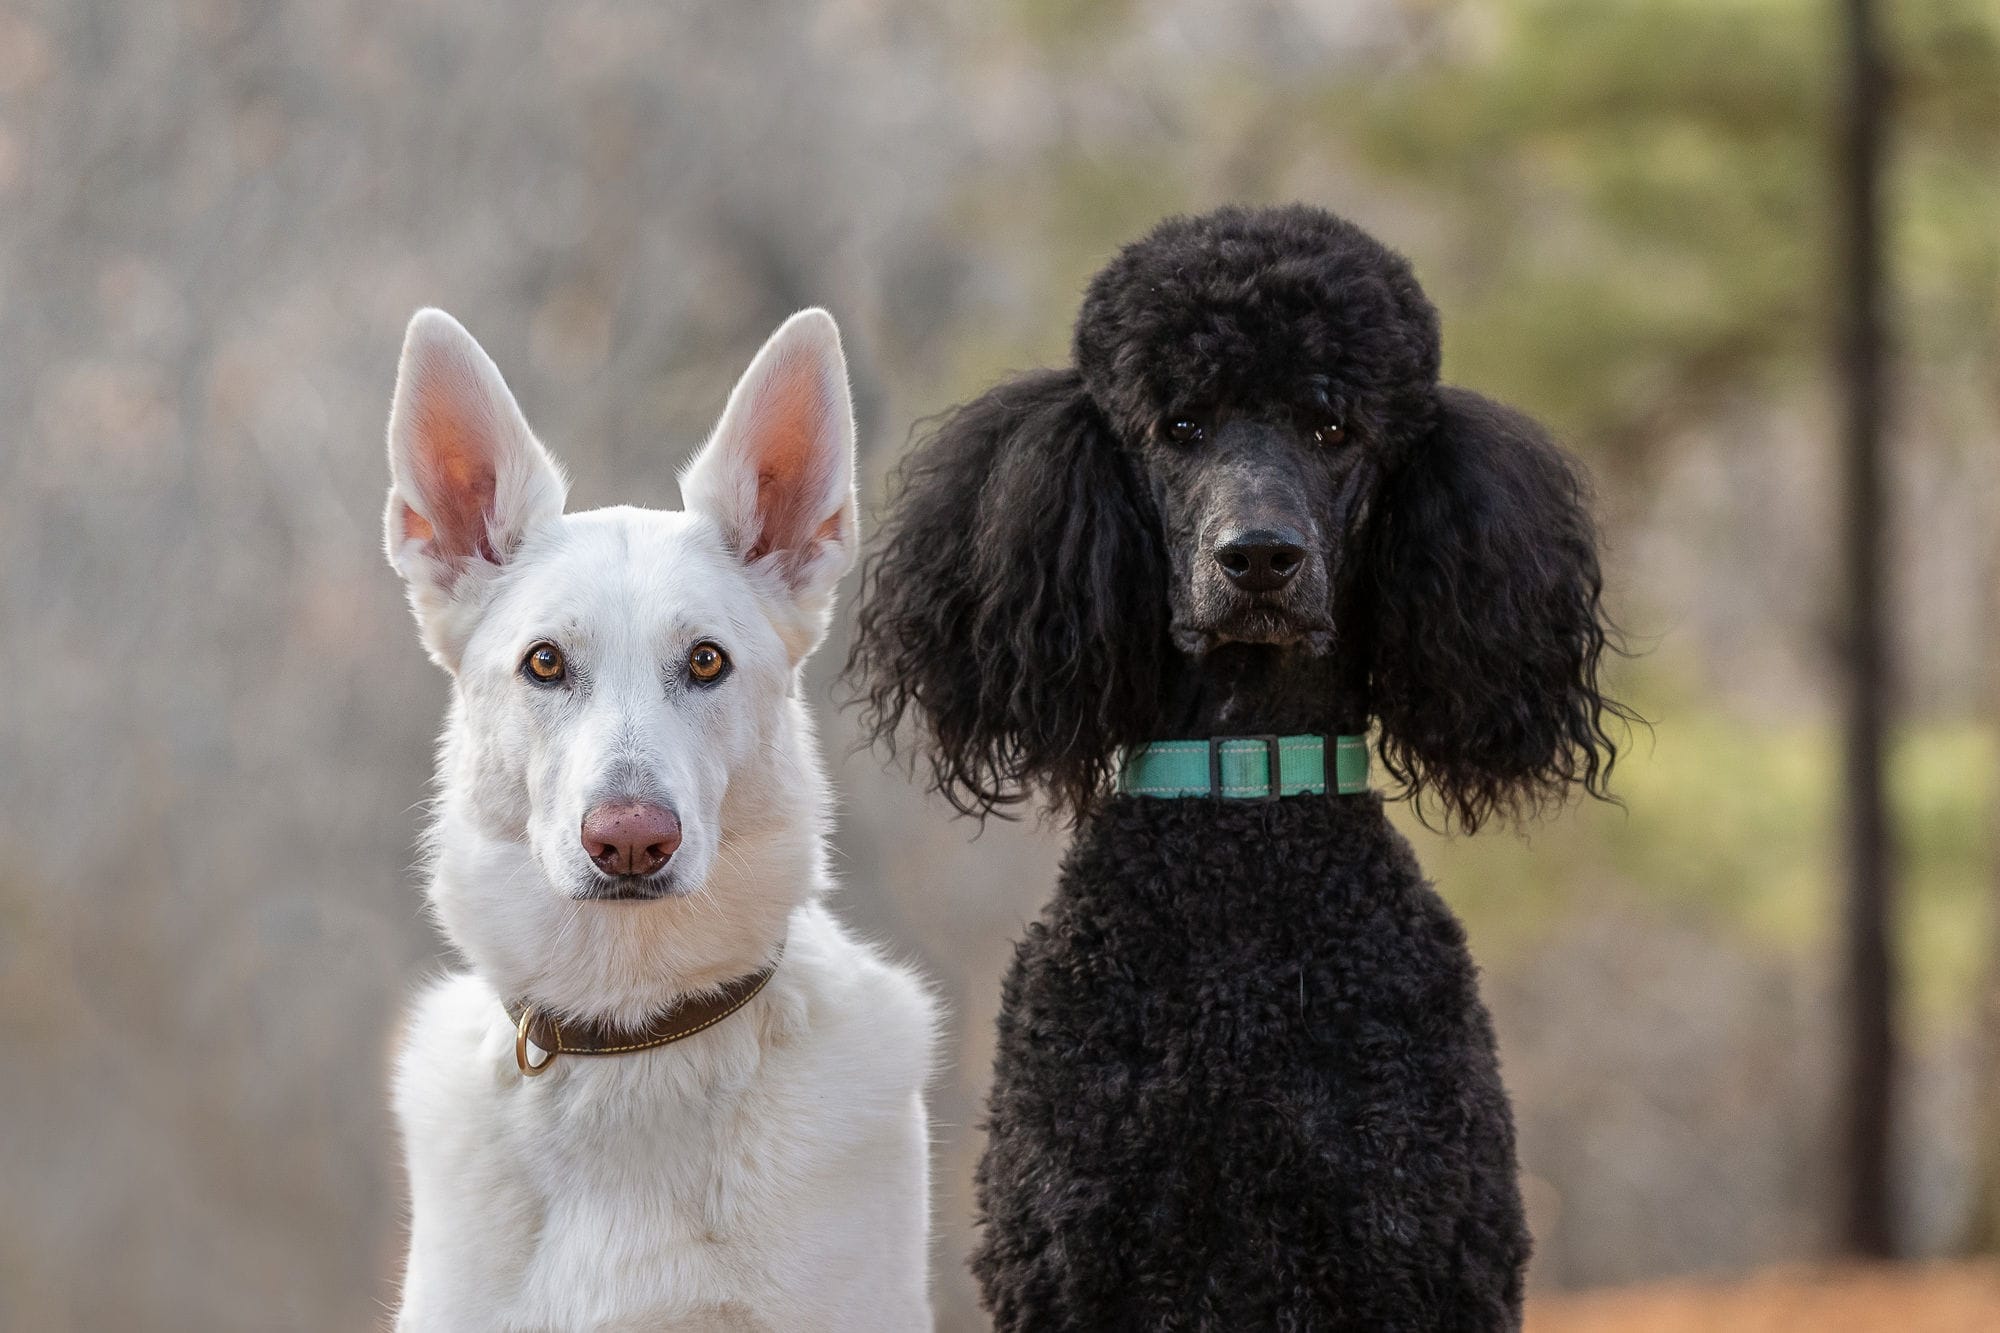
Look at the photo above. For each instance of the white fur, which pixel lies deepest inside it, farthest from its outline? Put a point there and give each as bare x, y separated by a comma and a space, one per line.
771, 1172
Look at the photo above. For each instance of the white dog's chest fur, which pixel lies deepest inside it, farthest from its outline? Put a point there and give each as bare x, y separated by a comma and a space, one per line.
757, 1176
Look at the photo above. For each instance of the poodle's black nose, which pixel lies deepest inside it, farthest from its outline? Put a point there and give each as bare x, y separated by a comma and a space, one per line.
1261, 559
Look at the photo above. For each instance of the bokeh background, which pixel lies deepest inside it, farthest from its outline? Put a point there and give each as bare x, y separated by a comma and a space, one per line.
215, 722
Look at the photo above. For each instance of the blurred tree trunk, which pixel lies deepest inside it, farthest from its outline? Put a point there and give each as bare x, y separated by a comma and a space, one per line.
1867, 1227
1983, 1237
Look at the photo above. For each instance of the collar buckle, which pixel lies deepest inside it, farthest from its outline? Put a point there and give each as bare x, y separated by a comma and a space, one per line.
1274, 779
521, 1039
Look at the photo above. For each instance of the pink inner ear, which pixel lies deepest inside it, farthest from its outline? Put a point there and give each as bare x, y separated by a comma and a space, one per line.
416, 527
453, 463
792, 469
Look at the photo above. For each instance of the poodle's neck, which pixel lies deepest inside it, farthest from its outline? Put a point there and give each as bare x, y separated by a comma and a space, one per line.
1256, 689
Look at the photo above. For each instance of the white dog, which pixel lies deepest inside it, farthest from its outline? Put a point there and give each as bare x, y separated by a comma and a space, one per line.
671, 1092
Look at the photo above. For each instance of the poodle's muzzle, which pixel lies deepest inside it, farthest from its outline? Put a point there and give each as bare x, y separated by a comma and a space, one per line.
1251, 543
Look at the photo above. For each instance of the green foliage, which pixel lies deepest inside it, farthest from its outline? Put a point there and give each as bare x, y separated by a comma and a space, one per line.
1733, 820
1948, 179
1069, 26
1643, 192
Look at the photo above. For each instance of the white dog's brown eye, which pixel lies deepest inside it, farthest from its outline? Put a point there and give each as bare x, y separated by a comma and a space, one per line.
1331, 432
706, 662
1184, 430
544, 664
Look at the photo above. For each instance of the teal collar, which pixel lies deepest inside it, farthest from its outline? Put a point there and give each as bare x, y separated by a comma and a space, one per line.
1247, 768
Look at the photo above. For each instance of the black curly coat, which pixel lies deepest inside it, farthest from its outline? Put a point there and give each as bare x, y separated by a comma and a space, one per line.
1244, 1078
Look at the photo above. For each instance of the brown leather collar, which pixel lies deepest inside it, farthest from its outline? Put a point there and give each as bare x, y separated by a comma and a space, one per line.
679, 1020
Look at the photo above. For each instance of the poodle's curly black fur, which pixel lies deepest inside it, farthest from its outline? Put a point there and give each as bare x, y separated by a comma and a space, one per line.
1245, 1081
1244, 1077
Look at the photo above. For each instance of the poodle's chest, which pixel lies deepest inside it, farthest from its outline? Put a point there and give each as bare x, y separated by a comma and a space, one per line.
1188, 1009
1195, 955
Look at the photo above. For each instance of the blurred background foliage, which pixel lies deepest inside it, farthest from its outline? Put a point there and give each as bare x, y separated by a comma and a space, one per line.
215, 216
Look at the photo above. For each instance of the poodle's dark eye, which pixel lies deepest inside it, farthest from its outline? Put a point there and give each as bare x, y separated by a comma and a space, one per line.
544, 664
1185, 430
1330, 433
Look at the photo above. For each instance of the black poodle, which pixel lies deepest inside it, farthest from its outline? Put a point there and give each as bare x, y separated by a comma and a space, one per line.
1244, 1077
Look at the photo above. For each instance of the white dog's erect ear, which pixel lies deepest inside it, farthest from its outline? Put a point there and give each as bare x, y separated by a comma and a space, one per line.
778, 474
467, 478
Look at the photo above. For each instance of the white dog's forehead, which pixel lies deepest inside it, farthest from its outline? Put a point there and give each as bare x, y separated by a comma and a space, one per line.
630, 575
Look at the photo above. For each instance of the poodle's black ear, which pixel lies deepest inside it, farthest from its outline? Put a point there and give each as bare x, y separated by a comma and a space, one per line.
1485, 620
1016, 601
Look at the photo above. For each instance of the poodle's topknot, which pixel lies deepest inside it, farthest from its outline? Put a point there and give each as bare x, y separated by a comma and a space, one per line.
1241, 305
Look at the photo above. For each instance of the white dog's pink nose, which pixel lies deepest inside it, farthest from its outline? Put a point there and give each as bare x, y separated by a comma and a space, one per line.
630, 837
